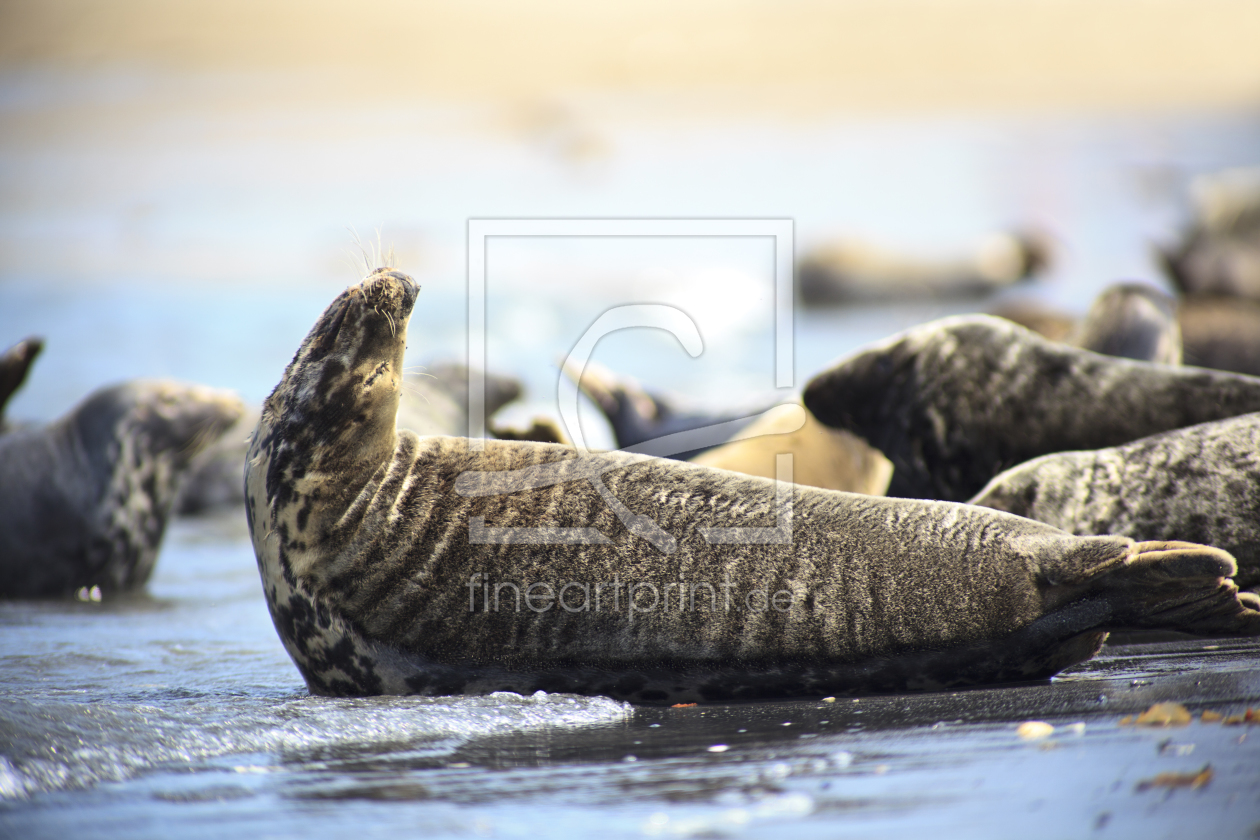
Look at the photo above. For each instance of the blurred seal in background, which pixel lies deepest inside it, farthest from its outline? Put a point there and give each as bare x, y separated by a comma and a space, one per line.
954, 402
84, 501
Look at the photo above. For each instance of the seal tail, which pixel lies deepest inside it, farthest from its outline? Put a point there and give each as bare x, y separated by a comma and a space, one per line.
1167, 585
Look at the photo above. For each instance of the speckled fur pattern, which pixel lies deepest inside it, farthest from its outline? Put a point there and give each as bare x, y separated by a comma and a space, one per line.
1200, 484
954, 402
364, 536
84, 502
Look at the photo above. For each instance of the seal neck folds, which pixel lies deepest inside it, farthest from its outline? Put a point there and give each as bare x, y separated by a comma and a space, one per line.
334, 411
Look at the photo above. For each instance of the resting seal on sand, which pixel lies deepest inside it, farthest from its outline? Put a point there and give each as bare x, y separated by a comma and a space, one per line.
395, 564
954, 402
849, 271
1201, 483
84, 501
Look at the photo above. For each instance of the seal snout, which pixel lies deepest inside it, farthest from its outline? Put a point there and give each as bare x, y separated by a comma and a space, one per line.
387, 287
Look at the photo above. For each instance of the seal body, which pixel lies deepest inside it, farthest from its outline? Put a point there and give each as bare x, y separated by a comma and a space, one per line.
1201, 483
84, 501
398, 564
954, 402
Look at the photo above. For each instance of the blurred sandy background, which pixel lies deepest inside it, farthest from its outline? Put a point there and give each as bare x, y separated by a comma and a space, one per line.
794, 56
218, 155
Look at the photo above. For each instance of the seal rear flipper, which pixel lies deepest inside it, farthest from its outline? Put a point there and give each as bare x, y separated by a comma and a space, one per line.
1164, 585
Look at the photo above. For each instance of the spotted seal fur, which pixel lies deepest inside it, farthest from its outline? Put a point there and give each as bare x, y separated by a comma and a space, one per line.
954, 402
1200, 483
390, 564
84, 501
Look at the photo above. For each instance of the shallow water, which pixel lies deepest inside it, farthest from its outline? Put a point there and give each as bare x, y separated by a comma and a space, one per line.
158, 229
178, 714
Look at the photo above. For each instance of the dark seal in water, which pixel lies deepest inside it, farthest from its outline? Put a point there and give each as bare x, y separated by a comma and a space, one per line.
84, 501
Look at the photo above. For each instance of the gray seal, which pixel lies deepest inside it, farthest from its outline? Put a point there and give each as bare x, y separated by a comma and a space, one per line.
84, 501
1201, 483
394, 564
954, 402
1132, 321
848, 271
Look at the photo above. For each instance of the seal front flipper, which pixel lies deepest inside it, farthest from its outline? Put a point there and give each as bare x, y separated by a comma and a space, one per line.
14, 365
638, 416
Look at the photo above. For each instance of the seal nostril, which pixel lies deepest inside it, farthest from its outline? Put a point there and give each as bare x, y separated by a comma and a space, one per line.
408, 283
